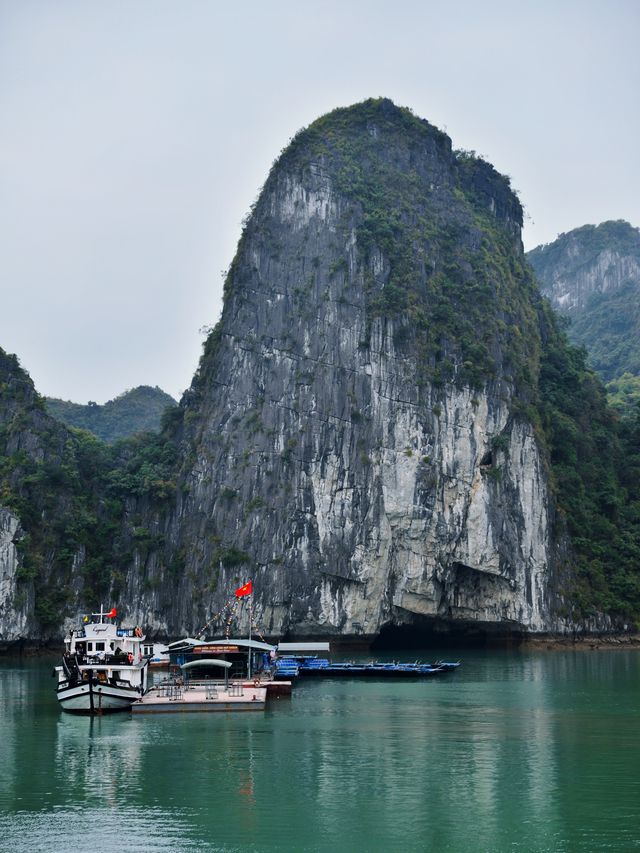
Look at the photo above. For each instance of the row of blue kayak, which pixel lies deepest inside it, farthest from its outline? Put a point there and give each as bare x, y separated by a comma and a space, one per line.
292, 667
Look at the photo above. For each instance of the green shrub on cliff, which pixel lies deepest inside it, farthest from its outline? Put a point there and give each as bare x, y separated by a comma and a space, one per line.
595, 469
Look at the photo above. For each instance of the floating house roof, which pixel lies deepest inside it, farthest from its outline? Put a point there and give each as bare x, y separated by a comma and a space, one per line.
189, 642
302, 648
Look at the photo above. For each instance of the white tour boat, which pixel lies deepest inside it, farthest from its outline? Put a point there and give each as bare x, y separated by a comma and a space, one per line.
103, 668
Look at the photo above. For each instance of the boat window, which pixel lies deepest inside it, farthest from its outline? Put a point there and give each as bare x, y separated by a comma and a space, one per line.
89, 647
99, 647
148, 650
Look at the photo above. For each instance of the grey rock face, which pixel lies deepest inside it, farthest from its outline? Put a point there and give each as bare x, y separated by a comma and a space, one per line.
321, 453
321, 465
573, 282
16, 601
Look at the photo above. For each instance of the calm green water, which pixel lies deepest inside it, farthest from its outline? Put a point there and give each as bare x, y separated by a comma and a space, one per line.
516, 751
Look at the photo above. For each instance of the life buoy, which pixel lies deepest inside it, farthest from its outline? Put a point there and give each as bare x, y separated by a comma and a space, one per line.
138, 632
256, 682
130, 657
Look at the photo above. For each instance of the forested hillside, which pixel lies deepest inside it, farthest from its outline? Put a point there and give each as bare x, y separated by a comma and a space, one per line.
137, 410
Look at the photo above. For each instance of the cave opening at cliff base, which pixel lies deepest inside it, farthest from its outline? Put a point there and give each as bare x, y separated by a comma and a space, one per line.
430, 633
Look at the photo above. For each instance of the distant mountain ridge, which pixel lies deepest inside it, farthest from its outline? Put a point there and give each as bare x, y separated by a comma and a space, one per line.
136, 410
592, 276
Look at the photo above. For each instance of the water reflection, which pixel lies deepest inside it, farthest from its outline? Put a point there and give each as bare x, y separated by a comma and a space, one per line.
84, 828
98, 757
529, 751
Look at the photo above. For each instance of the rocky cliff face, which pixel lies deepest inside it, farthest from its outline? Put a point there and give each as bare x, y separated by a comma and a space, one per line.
22, 448
592, 275
360, 458
361, 438
16, 599
585, 262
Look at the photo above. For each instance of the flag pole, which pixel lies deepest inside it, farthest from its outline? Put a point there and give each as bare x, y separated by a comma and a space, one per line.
250, 597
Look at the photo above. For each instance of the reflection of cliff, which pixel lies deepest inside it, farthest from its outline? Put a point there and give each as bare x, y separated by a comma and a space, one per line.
482, 748
9, 685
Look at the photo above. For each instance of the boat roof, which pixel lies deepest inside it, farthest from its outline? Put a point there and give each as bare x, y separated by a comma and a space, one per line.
303, 647
206, 662
245, 644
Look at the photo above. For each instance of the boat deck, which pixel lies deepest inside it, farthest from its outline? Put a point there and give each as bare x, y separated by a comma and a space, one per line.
173, 698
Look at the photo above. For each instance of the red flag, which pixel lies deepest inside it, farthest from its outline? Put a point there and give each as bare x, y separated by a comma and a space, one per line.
112, 613
247, 589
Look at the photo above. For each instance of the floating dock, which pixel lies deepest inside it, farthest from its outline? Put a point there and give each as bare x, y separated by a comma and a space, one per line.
177, 698
273, 687
292, 667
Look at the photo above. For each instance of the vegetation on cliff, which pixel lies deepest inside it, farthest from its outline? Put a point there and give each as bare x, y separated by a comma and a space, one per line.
70, 491
624, 394
464, 299
591, 275
595, 473
137, 410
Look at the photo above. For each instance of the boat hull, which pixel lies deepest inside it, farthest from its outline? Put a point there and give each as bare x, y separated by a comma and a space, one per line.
95, 698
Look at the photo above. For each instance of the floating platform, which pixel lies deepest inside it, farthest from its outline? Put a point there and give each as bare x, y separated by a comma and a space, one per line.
322, 667
273, 688
177, 698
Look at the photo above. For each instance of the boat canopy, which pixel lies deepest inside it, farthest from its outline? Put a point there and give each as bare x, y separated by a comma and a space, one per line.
302, 648
206, 662
246, 644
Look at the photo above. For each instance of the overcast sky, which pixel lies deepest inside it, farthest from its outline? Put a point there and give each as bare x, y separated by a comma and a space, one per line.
135, 134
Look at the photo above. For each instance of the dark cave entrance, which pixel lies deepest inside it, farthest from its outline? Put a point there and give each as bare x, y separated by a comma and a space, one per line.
438, 634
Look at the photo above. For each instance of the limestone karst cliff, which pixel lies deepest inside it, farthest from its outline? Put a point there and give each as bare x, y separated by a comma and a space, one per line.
376, 433
351, 428
592, 276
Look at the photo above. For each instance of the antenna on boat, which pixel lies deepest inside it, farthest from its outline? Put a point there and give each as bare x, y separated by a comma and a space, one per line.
110, 615
101, 614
